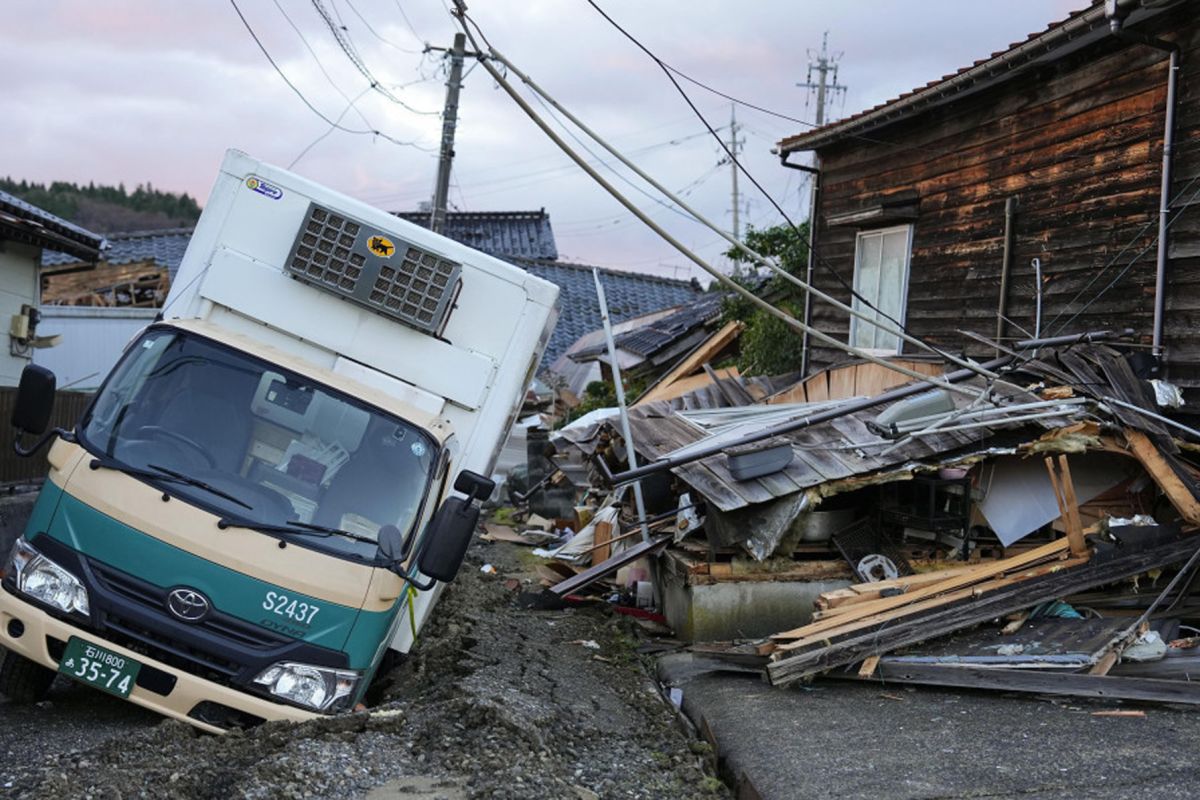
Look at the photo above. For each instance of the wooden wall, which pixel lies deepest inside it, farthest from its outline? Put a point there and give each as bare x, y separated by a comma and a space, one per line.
1079, 144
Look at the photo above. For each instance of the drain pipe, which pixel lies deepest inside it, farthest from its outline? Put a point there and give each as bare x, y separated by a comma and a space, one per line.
1010, 211
1117, 11
814, 199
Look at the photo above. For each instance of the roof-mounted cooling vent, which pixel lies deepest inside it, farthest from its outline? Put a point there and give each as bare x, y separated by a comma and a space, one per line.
375, 269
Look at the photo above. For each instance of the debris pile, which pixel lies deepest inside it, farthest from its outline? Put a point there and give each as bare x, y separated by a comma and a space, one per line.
1023, 525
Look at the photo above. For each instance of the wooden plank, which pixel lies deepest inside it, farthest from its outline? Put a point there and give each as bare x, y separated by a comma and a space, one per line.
848, 624
816, 388
1051, 550
706, 351
968, 613
602, 542
609, 566
1078, 546
1154, 690
1168, 481
863, 592
841, 382
869, 665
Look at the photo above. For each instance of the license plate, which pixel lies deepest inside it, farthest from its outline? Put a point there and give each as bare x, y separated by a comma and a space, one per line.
95, 666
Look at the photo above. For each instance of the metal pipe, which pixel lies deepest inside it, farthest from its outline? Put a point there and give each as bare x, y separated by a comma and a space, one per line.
814, 201
845, 409
619, 387
1146, 413
1010, 211
1116, 19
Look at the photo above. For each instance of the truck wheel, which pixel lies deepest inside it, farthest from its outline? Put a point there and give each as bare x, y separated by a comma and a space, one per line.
22, 680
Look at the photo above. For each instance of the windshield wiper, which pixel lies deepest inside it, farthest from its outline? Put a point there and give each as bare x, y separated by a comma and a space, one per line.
294, 526
208, 487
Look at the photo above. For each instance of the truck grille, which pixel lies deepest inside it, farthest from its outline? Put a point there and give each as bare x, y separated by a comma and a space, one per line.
232, 630
377, 270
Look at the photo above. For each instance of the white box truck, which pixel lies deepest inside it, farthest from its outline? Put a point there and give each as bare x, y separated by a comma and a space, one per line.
271, 487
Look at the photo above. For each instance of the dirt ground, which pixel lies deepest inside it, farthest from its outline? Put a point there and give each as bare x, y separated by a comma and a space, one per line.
495, 701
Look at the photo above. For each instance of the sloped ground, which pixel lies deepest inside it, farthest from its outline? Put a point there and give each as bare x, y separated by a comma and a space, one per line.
495, 701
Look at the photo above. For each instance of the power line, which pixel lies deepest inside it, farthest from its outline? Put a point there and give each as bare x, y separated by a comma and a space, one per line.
305, 100
804, 239
329, 130
408, 22
342, 38
378, 35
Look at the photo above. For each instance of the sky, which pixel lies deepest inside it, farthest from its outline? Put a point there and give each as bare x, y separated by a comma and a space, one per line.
154, 91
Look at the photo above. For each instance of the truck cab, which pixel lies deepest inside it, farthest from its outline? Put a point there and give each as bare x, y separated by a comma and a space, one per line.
271, 487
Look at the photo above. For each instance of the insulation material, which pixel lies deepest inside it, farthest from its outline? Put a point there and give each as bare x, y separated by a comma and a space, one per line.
1018, 498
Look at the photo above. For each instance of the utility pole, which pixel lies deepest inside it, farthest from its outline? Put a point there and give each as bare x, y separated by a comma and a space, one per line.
826, 67
441, 189
734, 148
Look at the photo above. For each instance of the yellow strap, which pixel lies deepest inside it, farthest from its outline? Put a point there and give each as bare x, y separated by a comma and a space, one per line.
412, 612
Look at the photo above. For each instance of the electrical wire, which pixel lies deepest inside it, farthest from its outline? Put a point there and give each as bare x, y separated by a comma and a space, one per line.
328, 130
343, 41
305, 100
742, 168
466, 23
408, 22
378, 35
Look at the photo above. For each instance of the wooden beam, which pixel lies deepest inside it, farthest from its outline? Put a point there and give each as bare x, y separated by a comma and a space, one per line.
1036, 681
1146, 452
985, 571
706, 351
966, 613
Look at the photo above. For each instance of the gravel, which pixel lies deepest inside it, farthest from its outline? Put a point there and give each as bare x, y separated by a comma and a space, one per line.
495, 701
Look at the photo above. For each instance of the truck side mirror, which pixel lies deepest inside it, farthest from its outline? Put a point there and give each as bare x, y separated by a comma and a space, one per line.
35, 400
474, 485
447, 538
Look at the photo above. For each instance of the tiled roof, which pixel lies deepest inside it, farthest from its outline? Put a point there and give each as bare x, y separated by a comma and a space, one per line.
658, 334
629, 294
519, 234
1058, 39
164, 247
19, 219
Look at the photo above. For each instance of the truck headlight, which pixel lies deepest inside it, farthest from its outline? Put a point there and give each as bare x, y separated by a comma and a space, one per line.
41, 579
318, 688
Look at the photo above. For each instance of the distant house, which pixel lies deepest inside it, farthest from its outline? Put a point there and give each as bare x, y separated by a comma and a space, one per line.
25, 232
98, 311
526, 239
937, 204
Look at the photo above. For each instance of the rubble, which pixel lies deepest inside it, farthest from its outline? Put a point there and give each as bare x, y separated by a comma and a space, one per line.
904, 521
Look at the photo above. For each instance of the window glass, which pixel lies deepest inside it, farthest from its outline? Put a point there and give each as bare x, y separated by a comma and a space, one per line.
881, 278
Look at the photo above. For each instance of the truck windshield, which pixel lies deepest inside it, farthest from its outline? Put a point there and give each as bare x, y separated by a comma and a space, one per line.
257, 443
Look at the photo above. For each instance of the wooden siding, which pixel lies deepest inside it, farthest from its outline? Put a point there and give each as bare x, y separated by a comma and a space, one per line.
1079, 144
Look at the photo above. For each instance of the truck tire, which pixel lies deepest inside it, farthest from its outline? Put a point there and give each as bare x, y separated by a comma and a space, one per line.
22, 680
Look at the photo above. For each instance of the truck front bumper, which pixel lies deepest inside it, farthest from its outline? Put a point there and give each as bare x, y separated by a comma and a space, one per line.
188, 694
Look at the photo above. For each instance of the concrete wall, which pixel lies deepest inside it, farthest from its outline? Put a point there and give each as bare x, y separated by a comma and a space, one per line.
739, 609
18, 286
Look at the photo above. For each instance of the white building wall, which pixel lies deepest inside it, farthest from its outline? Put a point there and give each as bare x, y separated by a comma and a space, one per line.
18, 286
93, 339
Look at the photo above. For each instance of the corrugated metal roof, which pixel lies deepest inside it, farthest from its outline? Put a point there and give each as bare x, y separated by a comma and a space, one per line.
81, 242
658, 334
164, 247
518, 234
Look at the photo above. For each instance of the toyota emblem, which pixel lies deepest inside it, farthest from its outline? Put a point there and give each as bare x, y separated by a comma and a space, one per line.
188, 604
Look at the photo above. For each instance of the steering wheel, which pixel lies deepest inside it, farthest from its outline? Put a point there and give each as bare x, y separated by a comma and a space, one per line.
166, 433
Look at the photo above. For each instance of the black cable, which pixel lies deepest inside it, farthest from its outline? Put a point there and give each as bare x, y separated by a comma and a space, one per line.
303, 99
805, 240
376, 33
343, 41
408, 22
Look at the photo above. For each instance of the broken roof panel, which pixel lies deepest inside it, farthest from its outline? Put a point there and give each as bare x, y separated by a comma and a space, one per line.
165, 248
22, 221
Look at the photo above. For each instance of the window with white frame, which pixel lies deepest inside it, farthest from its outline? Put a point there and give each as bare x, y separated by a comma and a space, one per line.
881, 259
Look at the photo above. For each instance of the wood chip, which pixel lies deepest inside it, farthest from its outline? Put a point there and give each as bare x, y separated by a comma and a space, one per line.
887, 696
1119, 713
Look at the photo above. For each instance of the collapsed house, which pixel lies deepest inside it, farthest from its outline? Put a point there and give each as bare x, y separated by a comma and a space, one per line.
1048, 490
